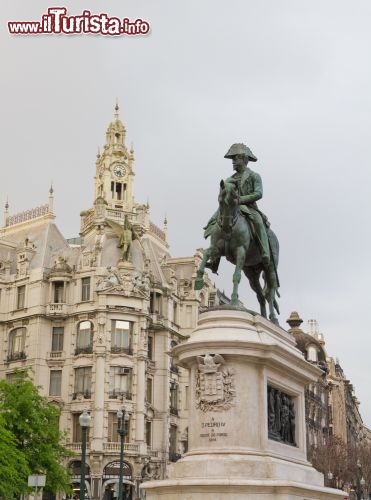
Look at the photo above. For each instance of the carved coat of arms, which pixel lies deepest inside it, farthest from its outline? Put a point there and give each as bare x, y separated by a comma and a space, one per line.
214, 386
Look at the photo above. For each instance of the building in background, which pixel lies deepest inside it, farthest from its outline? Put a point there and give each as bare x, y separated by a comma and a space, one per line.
96, 317
332, 408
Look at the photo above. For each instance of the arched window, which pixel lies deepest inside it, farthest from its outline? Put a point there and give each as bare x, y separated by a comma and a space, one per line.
17, 340
84, 342
312, 353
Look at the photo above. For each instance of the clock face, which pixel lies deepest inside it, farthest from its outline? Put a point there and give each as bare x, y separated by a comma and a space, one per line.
119, 170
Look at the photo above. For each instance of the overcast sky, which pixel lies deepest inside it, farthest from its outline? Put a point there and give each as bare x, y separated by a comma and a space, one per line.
291, 79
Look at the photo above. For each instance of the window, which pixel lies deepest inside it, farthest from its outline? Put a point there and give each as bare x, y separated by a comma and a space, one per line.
312, 353
149, 433
13, 377
21, 294
149, 390
55, 383
77, 429
188, 318
17, 340
155, 303
120, 382
82, 382
121, 337
212, 300
173, 398
113, 435
57, 338
85, 289
173, 367
150, 347
175, 312
58, 295
173, 455
186, 398
84, 338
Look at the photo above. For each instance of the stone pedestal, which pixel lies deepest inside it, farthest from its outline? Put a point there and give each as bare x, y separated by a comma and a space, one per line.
242, 445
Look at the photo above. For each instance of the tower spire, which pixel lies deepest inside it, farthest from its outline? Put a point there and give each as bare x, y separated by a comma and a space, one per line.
6, 212
51, 198
117, 109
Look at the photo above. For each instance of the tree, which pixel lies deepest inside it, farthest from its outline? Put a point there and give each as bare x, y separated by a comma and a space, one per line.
13, 466
333, 457
33, 423
361, 466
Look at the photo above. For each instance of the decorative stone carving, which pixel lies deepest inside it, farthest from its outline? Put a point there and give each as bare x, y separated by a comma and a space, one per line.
151, 471
126, 283
281, 416
215, 388
111, 280
60, 267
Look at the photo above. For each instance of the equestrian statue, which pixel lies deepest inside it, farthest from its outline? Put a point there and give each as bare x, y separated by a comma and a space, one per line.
240, 232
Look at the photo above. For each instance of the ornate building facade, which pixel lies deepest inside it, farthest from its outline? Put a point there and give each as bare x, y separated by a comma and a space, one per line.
96, 318
331, 405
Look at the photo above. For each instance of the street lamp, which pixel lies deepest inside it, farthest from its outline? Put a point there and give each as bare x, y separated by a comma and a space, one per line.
330, 477
362, 483
359, 481
122, 419
84, 420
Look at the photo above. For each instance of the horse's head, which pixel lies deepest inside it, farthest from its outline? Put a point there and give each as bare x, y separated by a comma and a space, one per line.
228, 204
228, 194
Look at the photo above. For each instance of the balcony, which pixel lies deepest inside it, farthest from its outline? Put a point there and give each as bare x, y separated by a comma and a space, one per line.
121, 350
120, 394
151, 452
56, 355
129, 448
81, 395
84, 350
158, 322
76, 447
16, 356
56, 309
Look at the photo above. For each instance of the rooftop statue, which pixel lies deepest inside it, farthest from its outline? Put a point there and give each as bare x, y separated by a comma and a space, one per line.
240, 232
126, 234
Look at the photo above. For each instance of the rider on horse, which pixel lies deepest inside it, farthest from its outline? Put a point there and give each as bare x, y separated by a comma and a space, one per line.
250, 190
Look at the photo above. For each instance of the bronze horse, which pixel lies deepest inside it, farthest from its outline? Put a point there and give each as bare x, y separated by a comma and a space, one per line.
233, 238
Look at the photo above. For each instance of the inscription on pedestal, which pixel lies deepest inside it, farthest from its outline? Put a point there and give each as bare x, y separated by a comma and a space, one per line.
281, 416
213, 429
214, 387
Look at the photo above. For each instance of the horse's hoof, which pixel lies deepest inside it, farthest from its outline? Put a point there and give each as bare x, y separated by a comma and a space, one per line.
274, 320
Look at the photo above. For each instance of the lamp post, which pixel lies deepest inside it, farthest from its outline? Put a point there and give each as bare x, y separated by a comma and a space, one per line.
330, 477
362, 483
359, 481
122, 419
84, 420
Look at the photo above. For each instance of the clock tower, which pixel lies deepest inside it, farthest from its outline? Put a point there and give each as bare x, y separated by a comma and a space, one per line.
114, 169
113, 189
